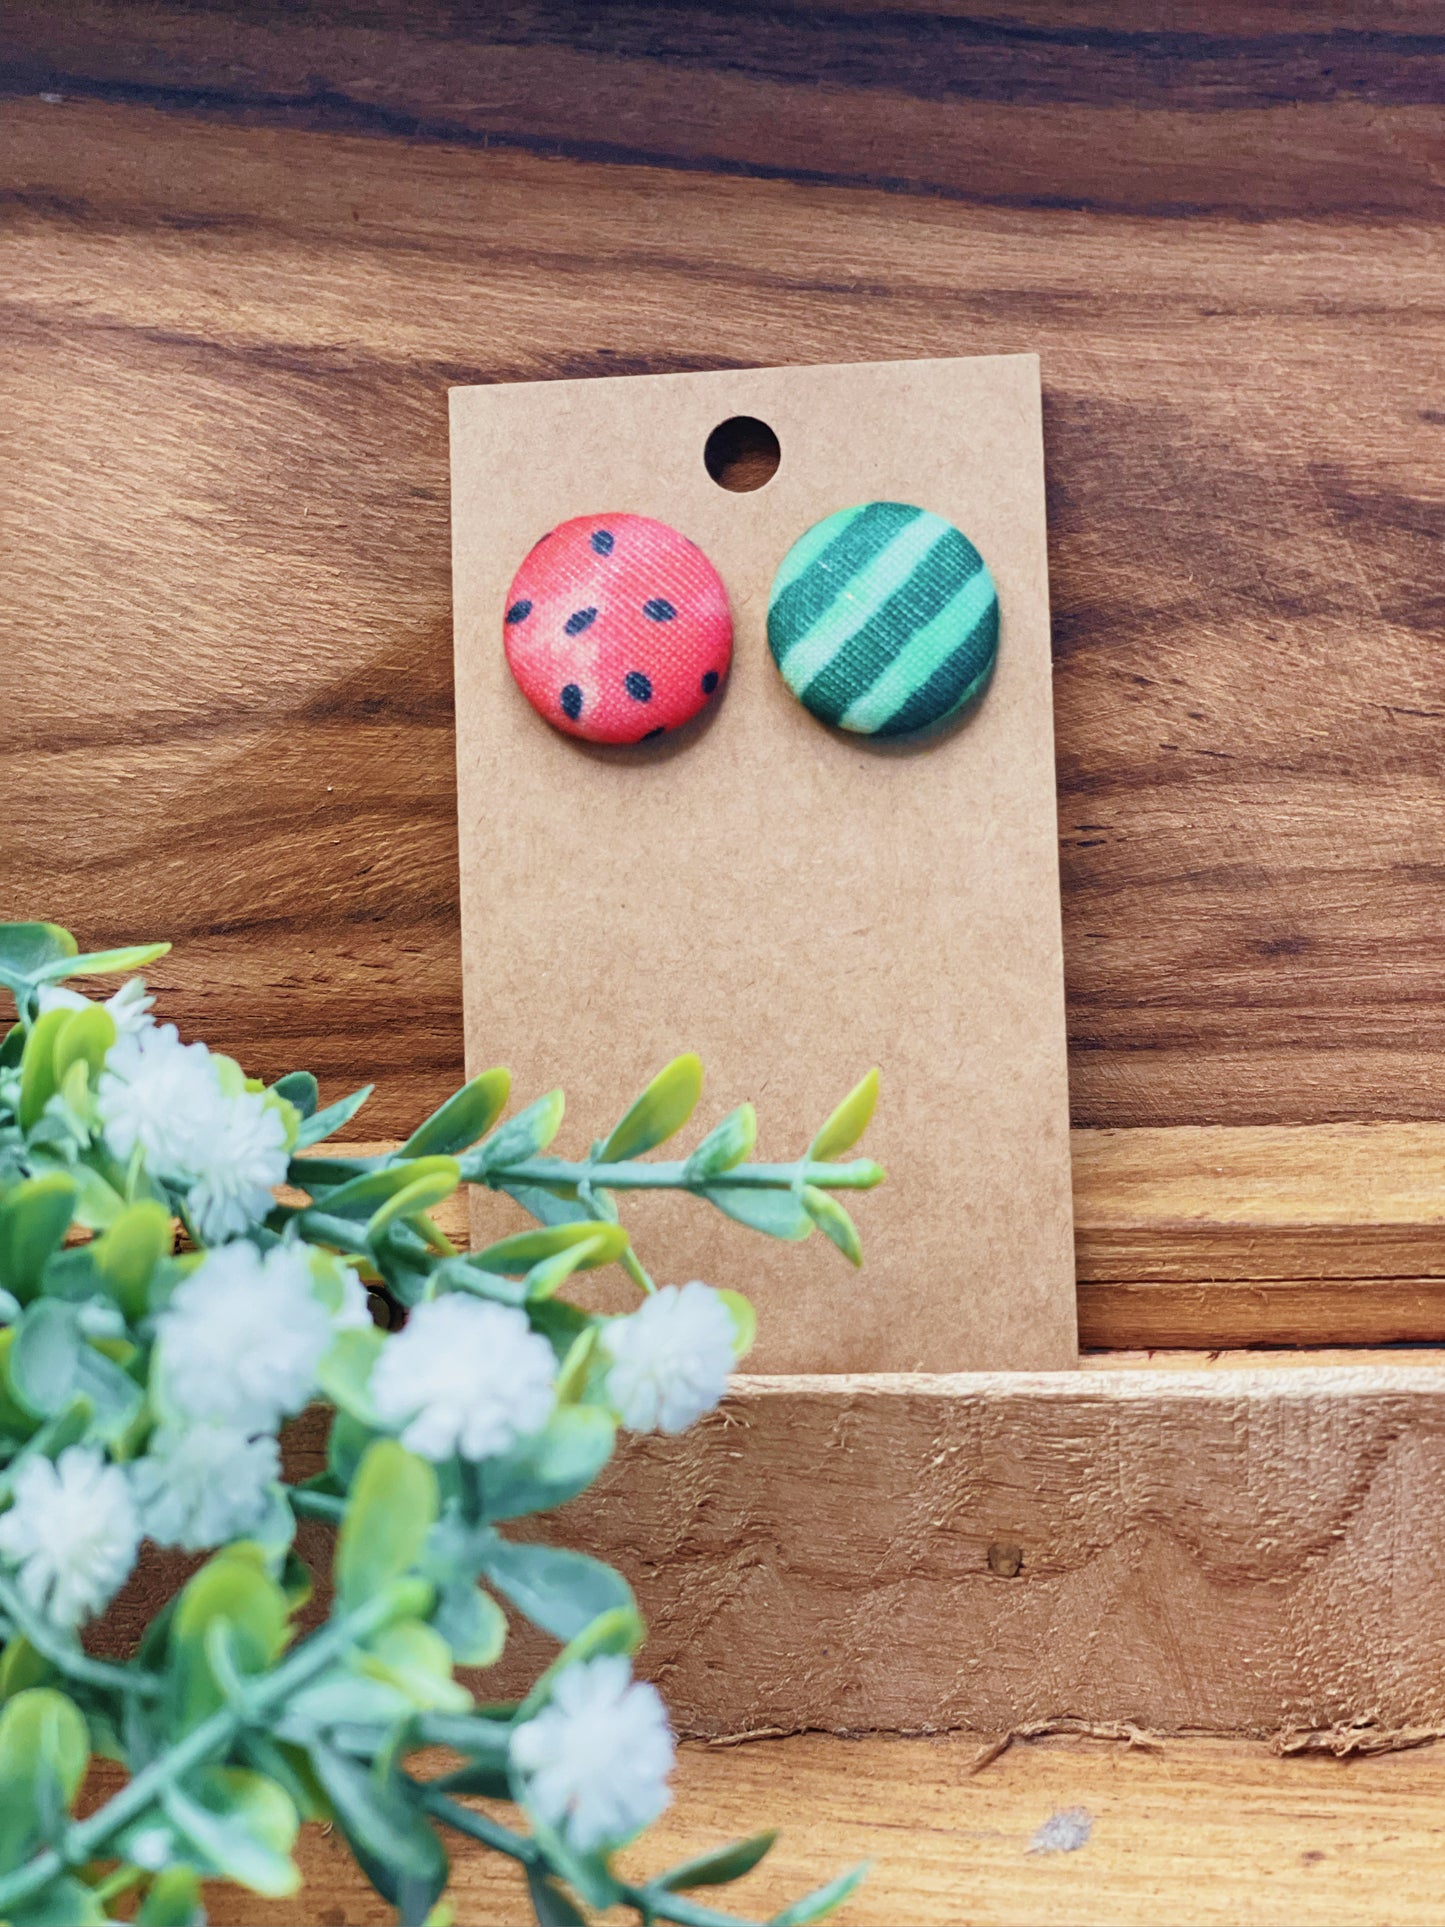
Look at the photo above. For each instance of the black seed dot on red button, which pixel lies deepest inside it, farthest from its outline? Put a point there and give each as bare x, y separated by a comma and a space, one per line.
519, 611
603, 541
571, 702
652, 735
659, 609
638, 686
709, 682
579, 620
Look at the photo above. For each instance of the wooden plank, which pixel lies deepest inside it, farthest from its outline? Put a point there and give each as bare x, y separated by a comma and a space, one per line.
1232, 1551
232, 316
1208, 1831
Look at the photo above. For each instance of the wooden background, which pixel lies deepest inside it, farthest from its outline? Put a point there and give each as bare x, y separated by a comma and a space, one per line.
247, 248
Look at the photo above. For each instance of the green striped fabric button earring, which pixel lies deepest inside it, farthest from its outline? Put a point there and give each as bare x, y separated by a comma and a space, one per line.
883, 619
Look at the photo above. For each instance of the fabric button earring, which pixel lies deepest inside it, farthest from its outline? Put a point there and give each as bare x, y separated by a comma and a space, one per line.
883, 619
617, 628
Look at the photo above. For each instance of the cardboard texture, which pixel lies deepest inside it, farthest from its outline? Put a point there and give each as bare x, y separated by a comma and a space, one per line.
792, 903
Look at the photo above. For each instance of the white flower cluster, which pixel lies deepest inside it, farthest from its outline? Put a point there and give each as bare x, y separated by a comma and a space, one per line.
670, 1358
596, 1759
465, 1377
225, 1150
237, 1350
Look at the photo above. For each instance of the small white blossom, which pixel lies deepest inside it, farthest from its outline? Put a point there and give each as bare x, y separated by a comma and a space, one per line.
73, 1532
226, 1150
597, 1758
235, 1162
354, 1312
151, 1848
671, 1358
464, 1377
202, 1485
130, 1007
159, 1094
240, 1341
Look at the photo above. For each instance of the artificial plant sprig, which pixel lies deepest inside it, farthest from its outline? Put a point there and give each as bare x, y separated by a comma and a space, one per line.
145, 1377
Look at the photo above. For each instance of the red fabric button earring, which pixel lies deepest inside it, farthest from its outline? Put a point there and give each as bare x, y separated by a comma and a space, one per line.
617, 628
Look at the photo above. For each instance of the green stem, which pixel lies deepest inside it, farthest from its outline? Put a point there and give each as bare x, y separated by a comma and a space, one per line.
636, 1174
491, 1833
657, 1903
84, 1840
70, 1660
316, 1505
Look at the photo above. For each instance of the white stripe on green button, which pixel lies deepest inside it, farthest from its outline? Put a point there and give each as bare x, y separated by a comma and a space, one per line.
883, 619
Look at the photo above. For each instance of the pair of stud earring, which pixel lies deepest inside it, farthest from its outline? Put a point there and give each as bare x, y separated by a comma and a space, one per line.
882, 620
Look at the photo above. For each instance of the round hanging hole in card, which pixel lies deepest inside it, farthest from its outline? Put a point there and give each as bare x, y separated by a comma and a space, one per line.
742, 454
617, 628
883, 619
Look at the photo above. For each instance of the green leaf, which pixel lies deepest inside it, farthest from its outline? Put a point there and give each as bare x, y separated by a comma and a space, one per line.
663, 1108
64, 1902
38, 1082
465, 1117
321, 1124
44, 1361
362, 1197
823, 1900
522, 1136
393, 1508
44, 1752
516, 1255
244, 1825
717, 1868
471, 1622
776, 1213
84, 1038
545, 1205
33, 1221
21, 1666
745, 1321
415, 1198
848, 1122
551, 1906
174, 1900
725, 1145
552, 1273
126, 1255
100, 963
233, 1591
300, 1089
386, 1831
552, 1466
834, 1222
28, 947
560, 1591
344, 1373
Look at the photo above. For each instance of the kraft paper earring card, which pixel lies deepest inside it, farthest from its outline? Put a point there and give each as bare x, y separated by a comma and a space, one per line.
846, 855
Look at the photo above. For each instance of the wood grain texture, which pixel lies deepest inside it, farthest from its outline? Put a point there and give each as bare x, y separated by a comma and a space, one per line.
1219, 1549
247, 252
1207, 1831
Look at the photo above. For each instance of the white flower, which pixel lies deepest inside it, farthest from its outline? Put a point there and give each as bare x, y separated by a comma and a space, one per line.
596, 1759
130, 1007
73, 1532
354, 1312
464, 1377
236, 1160
201, 1485
226, 1150
160, 1094
240, 1341
671, 1358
